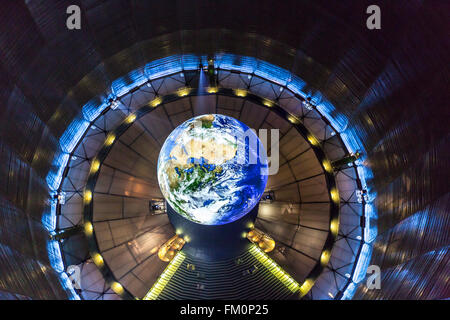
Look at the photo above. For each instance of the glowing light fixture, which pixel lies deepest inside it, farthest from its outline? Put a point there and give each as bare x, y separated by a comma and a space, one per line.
327, 166
183, 92
212, 89
88, 228
155, 102
293, 119
334, 195
95, 166
168, 250
334, 226
267, 103
165, 277
274, 268
240, 92
264, 241
98, 259
88, 196
306, 286
325, 257
131, 118
117, 288
313, 140
110, 139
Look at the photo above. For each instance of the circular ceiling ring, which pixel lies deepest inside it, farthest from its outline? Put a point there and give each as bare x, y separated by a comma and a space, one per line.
182, 93
361, 231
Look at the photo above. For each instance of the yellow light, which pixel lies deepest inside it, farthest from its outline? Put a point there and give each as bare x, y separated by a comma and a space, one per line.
88, 228
334, 226
155, 102
164, 278
313, 140
327, 166
334, 195
269, 244
274, 268
98, 259
306, 286
187, 238
325, 257
244, 234
117, 288
131, 118
110, 139
183, 92
240, 92
95, 166
212, 89
250, 225
87, 196
268, 103
178, 231
292, 119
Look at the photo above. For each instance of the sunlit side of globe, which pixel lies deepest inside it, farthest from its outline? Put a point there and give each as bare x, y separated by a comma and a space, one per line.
212, 169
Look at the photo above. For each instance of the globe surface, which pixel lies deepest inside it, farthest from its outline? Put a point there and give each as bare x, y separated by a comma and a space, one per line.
212, 169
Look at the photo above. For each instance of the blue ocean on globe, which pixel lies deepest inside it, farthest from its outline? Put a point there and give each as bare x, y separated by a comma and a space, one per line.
212, 169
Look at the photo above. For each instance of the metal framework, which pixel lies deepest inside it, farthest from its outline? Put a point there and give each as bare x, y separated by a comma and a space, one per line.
246, 95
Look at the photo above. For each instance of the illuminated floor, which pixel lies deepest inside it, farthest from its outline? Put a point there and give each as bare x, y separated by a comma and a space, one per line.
250, 276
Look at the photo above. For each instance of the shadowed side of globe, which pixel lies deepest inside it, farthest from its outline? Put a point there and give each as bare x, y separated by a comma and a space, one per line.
213, 242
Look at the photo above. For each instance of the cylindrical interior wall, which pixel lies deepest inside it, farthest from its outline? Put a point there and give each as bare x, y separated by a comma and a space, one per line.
390, 84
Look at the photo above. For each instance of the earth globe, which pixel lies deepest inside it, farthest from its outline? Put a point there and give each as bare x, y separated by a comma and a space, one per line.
212, 169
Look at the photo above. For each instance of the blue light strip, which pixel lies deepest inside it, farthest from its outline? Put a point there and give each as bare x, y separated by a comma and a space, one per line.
163, 67
370, 231
190, 62
55, 258
270, 72
54, 254
349, 292
93, 109
49, 218
72, 135
67, 285
363, 263
177, 63
123, 85
236, 63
